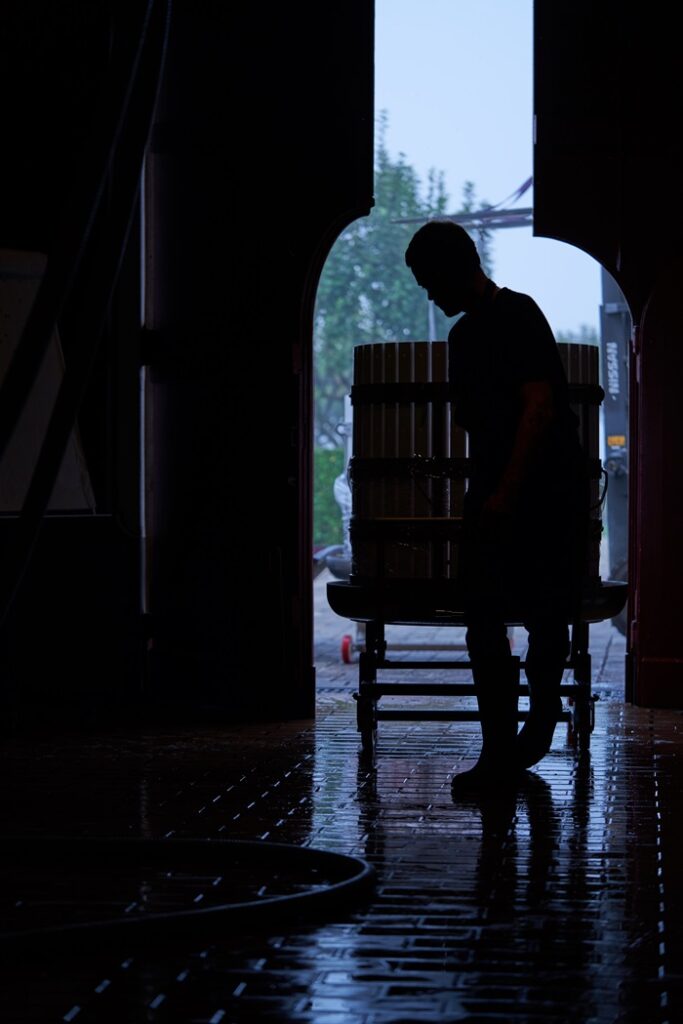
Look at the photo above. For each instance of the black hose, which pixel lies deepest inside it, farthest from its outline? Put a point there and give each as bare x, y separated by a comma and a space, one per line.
349, 879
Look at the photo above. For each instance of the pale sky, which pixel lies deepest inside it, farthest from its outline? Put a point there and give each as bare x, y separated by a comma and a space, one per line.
455, 78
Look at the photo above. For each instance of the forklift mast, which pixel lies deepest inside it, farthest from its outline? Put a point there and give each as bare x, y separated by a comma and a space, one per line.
615, 336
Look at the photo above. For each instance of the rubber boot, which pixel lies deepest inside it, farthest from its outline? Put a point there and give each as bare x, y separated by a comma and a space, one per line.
496, 685
545, 707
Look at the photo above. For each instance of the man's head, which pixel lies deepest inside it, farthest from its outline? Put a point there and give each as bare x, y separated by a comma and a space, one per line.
444, 261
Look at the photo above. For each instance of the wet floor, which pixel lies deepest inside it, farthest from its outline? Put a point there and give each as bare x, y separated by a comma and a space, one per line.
560, 903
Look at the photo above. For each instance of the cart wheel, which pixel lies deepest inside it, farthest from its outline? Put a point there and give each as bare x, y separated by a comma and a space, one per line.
367, 740
571, 739
581, 724
571, 723
584, 738
347, 649
366, 721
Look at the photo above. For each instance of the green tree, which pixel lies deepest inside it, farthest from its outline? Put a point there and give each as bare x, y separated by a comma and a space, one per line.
584, 336
366, 292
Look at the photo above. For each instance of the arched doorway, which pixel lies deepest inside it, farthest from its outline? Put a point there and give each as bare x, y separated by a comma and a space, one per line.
419, 104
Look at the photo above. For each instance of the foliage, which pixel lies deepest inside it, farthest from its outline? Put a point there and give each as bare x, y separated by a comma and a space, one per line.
328, 463
367, 293
584, 336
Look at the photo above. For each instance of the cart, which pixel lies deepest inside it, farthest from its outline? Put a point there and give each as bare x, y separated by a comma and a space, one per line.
435, 603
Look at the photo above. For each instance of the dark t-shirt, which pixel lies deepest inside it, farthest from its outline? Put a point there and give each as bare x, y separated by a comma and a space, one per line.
491, 353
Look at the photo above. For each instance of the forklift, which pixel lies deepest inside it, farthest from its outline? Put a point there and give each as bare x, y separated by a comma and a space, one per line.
615, 339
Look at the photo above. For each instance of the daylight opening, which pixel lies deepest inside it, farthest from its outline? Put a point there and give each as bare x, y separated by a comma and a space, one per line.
453, 138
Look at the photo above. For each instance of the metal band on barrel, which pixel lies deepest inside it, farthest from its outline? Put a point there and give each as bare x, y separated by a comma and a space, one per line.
416, 465
427, 466
440, 391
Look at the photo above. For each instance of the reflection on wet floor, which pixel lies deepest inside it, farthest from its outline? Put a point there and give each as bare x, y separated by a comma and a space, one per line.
560, 903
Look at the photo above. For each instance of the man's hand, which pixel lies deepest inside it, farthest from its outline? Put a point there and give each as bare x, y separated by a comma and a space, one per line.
497, 515
498, 511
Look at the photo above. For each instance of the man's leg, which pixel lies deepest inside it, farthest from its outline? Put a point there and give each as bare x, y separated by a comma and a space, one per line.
495, 674
552, 572
545, 664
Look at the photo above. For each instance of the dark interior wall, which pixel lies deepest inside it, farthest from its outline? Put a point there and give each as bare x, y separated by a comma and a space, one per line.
261, 153
70, 649
606, 171
54, 65
607, 88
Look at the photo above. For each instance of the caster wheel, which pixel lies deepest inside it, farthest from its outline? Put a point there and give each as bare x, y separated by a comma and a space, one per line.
581, 725
368, 739
366, 722
347, 649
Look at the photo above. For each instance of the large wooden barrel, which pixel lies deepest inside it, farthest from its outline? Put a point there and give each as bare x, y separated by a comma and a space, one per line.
409, 463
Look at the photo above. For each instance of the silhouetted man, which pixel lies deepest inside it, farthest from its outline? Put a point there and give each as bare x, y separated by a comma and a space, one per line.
526, 506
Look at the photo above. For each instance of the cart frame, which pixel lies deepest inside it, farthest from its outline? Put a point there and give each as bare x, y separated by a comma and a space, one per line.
377, 607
